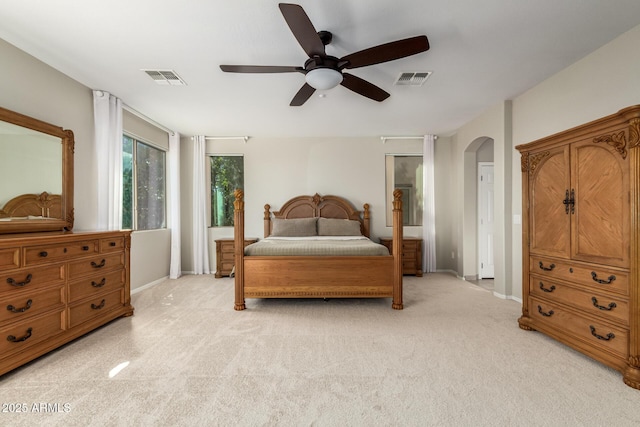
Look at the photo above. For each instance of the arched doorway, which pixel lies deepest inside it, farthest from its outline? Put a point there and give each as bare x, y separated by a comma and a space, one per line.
479, 210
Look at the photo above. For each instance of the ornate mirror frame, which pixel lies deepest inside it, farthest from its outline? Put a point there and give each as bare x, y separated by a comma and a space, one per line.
42, 203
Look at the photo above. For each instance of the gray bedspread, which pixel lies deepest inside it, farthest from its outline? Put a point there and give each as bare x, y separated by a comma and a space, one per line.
334, 246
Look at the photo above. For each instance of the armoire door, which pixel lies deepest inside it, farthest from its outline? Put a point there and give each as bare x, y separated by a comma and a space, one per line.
549, 216
600, 223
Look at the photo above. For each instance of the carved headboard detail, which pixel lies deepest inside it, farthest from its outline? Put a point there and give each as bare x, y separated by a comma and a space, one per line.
318, 206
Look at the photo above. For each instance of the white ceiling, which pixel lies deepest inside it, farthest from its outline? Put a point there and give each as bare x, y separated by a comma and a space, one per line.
482, 52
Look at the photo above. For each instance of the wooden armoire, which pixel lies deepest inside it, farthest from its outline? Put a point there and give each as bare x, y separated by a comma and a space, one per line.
581, 239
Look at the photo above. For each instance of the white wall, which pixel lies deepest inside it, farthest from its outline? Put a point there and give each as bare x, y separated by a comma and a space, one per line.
31, 87
600, 84
277, 169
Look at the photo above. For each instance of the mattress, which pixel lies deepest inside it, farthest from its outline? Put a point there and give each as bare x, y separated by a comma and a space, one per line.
316, 246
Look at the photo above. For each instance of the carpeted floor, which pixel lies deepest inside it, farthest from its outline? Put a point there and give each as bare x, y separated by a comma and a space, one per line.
453, 357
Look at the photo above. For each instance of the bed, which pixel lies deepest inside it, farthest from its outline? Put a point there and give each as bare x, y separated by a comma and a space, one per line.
314, 274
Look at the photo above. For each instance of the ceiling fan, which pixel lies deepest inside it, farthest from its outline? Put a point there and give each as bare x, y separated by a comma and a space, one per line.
323, 71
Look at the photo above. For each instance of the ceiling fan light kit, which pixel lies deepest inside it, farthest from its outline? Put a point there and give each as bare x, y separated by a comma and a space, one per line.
323, 78
324, 72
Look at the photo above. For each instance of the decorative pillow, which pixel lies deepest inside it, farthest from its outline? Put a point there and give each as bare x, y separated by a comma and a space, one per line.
338, 227
295, 227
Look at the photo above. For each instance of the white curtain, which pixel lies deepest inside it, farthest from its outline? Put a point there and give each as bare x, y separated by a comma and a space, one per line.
175, 266
429, 211
107, 114
200, 232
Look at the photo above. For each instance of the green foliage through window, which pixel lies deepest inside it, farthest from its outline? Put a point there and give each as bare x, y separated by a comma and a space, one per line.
143, 186
227, 174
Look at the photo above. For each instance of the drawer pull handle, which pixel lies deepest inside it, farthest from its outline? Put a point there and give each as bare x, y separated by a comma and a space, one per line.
549, 314
551, 289
12, 338
20, 310
608, 337
610, 307
112, 244
102, 263
551, 267
43, 254
100, 284
85, 248
99, 306
27, 280
608, 281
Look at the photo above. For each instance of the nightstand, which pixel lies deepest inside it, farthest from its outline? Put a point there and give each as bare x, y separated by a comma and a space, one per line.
411, 254
225, 256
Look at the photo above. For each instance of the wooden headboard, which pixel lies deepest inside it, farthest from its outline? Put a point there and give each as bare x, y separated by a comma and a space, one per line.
41, 205
318, 206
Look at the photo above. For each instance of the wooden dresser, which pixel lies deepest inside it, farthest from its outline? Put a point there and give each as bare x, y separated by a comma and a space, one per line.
581, 239
225, 256
411, 254
57, 286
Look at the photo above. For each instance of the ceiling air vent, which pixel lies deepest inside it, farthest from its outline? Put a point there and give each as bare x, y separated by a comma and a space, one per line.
165, 77
412, 78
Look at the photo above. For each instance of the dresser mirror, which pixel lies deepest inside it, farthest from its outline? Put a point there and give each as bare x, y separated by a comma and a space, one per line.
36, 175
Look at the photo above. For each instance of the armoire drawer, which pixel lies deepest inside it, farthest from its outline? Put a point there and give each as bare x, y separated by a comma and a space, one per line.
20, 305
595, 332
96, 284
21, 335
57, 252
610, 306
31, 278
9, 258
595, 276
95, 307
94, 265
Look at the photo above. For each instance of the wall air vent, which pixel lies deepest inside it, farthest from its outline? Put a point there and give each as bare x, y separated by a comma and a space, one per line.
412, 78
165, 77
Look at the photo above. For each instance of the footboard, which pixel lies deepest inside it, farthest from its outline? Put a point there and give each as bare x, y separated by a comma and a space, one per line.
318, 276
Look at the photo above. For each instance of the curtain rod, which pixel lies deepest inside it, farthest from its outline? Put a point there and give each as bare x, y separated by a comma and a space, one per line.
385, 138
213, 138
147, 119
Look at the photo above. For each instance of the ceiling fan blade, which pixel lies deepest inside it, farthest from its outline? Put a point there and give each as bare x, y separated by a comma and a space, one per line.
303, 94
260, 69
387, 52
363, 87
302, 29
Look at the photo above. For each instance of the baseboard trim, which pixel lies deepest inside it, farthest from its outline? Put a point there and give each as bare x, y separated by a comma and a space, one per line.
148, 285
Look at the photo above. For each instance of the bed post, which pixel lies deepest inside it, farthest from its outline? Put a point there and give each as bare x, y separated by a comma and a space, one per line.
238, 245
267, 221
397, 250
366, 220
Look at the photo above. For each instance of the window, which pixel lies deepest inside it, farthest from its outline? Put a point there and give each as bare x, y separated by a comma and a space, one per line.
143, 186
227, 174
405, 172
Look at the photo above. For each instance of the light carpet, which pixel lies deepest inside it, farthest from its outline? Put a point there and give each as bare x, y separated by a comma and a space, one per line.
453, 357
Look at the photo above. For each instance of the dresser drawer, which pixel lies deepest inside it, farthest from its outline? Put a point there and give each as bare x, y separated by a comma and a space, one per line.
9, 258
608, 306
21, 305
31, 278
113, 244
48, 253
93, 285
595, 276
594, 332
21, 335
95, 308
92, 266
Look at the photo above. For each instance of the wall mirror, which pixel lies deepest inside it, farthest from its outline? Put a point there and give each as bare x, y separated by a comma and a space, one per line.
36, 175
